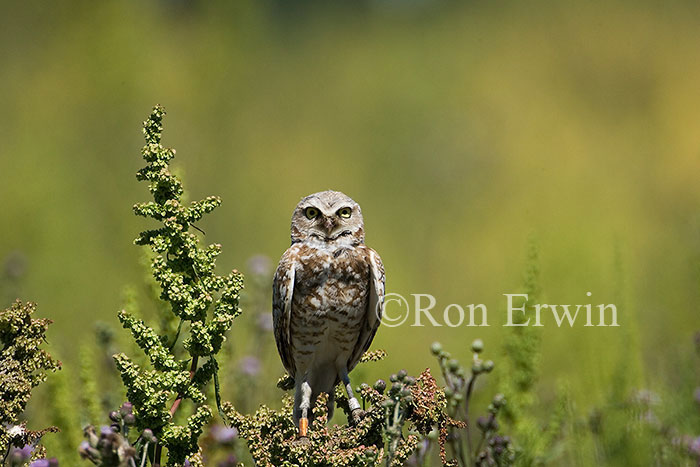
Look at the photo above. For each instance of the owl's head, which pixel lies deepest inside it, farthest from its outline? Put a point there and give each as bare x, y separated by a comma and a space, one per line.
328, 216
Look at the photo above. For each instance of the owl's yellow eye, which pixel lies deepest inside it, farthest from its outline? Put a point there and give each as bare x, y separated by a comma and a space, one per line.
311, 213
344, 212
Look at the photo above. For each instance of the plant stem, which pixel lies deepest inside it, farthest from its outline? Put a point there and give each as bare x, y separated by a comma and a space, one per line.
467, 396
173, 409
486, 432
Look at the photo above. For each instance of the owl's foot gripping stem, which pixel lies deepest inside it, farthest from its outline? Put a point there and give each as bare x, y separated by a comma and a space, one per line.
304, 406
357, 414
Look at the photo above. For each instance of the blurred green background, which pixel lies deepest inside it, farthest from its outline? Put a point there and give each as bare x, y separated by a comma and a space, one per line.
462, 129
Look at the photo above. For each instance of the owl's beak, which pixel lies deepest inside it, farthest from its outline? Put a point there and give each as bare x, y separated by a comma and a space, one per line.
329, 224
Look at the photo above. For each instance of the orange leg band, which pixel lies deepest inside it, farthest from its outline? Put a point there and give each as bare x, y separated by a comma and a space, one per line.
303, 426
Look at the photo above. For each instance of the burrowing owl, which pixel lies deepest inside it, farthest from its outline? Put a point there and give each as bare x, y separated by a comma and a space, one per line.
327, 297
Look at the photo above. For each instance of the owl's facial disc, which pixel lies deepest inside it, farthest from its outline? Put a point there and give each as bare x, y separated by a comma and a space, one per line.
328, 216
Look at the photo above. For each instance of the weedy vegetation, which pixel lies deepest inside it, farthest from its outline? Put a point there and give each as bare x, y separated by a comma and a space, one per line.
178, 362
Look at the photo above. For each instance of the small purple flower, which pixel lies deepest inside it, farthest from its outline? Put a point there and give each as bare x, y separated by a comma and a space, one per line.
646, 397
84, 449
19, 456
265, 322
106, 430
53, 462
223, 434
27, 450
230, 461
260, 265
694, 446
250, 366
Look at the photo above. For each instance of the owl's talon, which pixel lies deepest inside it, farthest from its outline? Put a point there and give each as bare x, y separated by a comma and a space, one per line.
301, 441
357, 415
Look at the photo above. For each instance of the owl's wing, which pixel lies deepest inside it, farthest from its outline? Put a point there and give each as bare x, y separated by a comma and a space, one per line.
282, 290
373, 315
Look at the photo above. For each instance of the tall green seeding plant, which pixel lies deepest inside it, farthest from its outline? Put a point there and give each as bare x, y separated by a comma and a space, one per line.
204, 303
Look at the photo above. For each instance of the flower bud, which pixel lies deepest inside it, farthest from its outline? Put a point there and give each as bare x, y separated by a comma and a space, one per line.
488, 366
499, 400
388, 403
436, 348
126, 408
149, 436
477, 346
380, 385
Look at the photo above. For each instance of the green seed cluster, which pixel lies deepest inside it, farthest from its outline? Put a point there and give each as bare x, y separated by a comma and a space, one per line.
204, 302
271, 437
396, 419
24, 366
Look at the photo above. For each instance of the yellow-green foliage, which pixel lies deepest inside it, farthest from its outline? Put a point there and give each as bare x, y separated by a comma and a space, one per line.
378, 439
24, 366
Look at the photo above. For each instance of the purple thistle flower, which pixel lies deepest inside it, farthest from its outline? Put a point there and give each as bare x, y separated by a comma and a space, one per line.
20, 456
53, 462
126, 408
27, 450
106, 430
224, 434
250, 366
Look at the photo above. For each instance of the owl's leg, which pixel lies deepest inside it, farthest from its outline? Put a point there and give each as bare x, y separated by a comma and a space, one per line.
304, 406
355, 409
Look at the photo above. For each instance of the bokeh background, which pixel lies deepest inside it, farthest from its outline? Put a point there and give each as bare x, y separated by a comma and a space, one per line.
466, 130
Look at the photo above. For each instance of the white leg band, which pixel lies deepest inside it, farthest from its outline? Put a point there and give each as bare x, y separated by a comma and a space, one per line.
354, 405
